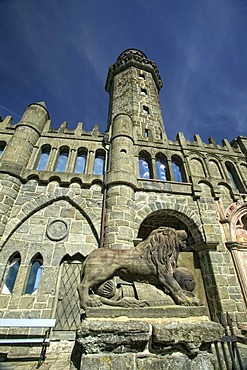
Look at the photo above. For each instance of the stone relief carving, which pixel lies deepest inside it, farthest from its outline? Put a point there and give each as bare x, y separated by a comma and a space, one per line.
241, 229
141, 275
57, 230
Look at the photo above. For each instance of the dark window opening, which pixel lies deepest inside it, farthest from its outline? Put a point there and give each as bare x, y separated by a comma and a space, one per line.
145, 109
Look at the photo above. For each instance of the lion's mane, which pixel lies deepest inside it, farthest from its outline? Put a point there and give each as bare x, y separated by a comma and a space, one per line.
161, 248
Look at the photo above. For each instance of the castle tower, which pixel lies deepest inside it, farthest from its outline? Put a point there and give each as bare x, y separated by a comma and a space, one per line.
17, 154
133, 83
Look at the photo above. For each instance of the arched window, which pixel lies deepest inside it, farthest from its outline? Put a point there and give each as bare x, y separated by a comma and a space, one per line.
43, 158
99, 163
2, 146
234, 177
11, 273
80, 163
178, 170
34, 274
62, 159
162, 167
145, 168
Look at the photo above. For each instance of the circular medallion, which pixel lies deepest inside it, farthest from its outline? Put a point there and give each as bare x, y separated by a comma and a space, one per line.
57, 230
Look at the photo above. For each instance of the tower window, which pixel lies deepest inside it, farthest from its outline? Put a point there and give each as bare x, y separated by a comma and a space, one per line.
43, 159
13, 268
146, 132
80, 163
144, 91
145, 109
232, 173
145, 165
62, 160
162, 167
34, 275
178, 170
99, 163
142, 75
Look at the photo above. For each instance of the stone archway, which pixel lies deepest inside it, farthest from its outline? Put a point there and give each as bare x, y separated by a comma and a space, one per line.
168, 215
188, 259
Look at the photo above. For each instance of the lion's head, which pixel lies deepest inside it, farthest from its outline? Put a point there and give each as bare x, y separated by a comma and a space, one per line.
162, 247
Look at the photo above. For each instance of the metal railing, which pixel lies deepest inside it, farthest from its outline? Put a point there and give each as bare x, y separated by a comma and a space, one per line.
227, 349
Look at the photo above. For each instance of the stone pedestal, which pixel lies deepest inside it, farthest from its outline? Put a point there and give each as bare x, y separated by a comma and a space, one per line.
157, 338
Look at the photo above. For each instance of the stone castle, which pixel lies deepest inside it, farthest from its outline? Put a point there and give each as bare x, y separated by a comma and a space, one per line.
67, 192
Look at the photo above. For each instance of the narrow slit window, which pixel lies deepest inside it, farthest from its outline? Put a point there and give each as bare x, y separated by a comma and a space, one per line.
143, 91
142, 75
145, 109
146, 132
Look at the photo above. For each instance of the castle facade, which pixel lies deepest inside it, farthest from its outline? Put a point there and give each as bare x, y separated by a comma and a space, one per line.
67, 192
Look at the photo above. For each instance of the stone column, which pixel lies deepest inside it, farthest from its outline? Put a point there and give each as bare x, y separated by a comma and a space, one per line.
239, 256
121, 181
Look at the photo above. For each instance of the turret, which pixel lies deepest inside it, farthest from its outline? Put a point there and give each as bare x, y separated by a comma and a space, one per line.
16, 156
133, 83
27, 132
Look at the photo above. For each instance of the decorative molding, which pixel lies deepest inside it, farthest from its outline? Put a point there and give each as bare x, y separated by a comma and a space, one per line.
57, 230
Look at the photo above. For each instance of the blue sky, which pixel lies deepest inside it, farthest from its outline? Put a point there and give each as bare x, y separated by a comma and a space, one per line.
59, 51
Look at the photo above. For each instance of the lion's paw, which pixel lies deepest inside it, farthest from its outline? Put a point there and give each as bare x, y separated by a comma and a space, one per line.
93, 301
191, 302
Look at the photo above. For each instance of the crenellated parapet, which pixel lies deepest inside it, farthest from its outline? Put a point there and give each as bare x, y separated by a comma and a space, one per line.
135, 58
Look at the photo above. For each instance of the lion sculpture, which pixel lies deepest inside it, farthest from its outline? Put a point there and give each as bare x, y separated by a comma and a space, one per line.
153, 261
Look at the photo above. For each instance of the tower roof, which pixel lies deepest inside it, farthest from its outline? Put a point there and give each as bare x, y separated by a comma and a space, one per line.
132, 51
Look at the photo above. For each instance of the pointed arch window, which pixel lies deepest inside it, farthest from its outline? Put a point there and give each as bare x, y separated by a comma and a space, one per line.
43, 158
232, 173
81, 159
2, 147
99, 163
62, 159
178, 170
11, 274
145, 168
35, 274
162, 167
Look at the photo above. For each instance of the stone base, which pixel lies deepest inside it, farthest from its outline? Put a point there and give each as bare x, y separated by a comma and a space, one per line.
175, 361
158, 340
